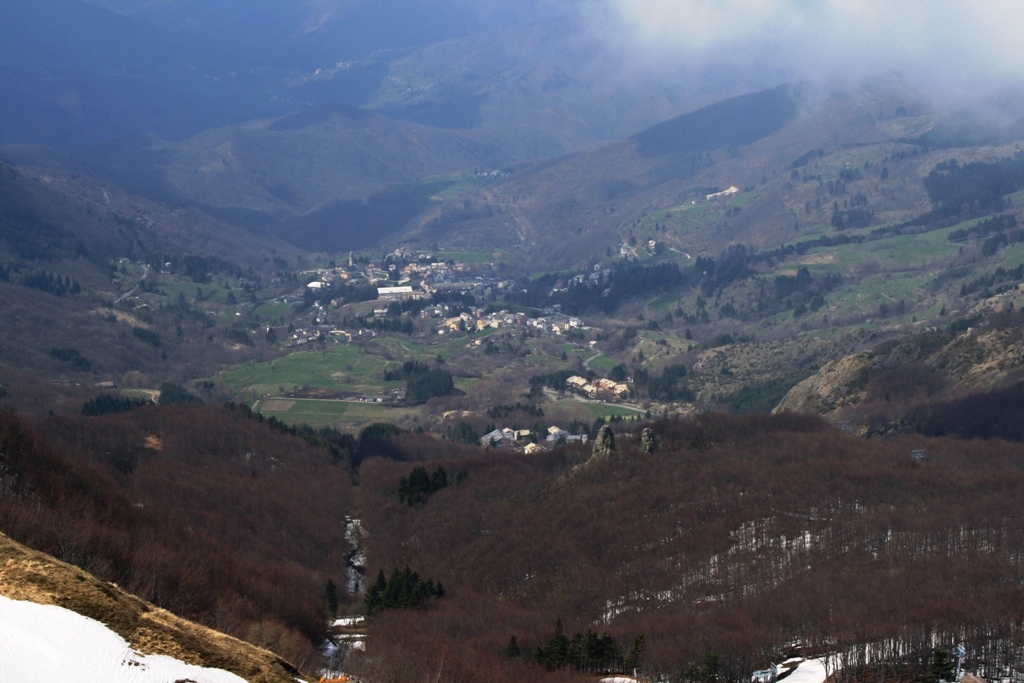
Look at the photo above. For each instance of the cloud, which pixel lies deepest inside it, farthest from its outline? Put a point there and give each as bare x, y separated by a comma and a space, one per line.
948, 46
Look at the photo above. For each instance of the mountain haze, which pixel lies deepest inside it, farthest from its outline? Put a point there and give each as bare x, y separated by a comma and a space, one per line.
586, 203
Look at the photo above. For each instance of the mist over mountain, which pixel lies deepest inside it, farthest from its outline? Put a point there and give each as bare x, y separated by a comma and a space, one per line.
174, 69
83, 73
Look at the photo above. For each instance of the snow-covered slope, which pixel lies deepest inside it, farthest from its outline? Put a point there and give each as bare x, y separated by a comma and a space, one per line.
805, 671
51, 644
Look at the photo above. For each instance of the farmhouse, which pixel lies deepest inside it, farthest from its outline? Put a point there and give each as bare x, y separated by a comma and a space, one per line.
577, 382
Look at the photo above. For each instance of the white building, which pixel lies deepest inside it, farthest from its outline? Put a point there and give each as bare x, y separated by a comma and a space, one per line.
394, 293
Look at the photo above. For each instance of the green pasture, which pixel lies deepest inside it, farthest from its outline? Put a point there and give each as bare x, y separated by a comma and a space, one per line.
899, 252
272, 310
349, 368
452, 185
469, 257
588, 412
866, 297
603, 364
329, 413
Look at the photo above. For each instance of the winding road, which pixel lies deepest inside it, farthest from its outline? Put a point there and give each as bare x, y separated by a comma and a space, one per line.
145, 274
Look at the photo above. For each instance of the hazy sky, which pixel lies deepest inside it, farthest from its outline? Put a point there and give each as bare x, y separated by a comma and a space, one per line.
950, 47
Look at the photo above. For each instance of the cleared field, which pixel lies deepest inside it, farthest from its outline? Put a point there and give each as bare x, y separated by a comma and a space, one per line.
465, 256
330, 413
338, 368
603, 363
277, 405
272, 310
591, 411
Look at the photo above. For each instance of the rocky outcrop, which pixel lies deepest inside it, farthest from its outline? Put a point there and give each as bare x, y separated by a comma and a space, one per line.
981, 359
838, 384
604, 444
647, 443
971, 360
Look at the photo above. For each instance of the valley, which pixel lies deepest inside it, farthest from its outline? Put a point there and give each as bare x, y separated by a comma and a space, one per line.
400, 341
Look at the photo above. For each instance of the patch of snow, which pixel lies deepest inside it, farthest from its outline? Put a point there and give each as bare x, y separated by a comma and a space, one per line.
53, 644
806, 671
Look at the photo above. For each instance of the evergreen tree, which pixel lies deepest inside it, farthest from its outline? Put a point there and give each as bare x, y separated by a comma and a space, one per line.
331, 596
633, 658
940, 668
173, 393
712, 668
464, 433
404, 590
108, 403
419, 485
555, 654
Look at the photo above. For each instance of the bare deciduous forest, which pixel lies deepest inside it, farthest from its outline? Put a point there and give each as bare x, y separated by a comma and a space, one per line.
739, 538
728, 543
204, 512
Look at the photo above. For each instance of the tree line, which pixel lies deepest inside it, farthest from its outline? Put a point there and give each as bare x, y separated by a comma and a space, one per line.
43, 280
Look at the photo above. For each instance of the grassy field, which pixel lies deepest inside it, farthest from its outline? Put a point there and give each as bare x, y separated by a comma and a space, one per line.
337, 368
272, 310
588, 412
602, 364
470, 257
330, 413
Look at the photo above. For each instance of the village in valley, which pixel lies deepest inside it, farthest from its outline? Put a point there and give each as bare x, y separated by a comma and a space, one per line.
450, 296
342, 344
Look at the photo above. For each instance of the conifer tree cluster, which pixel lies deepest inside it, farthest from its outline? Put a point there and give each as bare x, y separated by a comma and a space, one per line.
419, 485
105, 404
404, 590
421, 381
43, 280
587, 652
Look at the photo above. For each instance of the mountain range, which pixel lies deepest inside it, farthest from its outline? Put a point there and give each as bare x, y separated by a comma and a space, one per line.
266, 277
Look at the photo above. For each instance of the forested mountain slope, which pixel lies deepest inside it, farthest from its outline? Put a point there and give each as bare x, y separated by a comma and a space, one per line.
583, 205
209, 513
735, 539
73, 247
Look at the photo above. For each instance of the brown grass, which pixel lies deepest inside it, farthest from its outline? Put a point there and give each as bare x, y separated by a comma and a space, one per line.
277, 405
29, 575
815, 259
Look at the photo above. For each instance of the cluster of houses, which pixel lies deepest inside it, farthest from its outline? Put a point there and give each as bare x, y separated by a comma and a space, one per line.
422, 277
477, 319
522, 439
597, 388
415, 280
434, 271
600, 272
